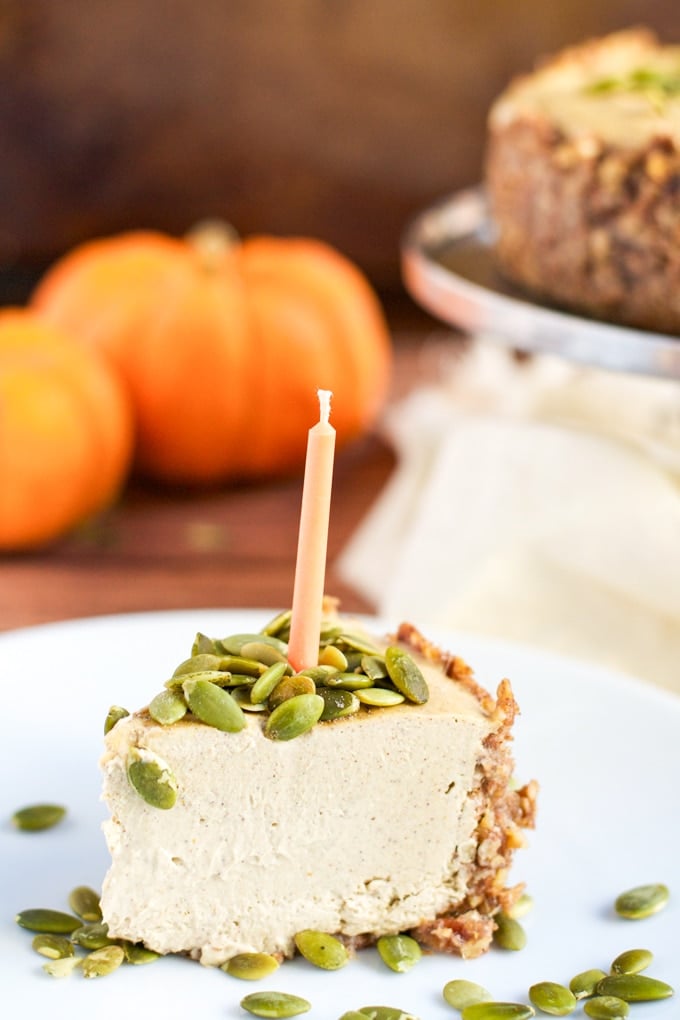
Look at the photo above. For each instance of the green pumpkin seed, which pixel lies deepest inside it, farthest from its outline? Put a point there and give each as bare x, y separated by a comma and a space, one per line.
250, 966
374, 666
509, 933
632, 961
606, 1007
317, 673
139, 955
235, 643
349, 681
220, 678
353, 1014
37, 817
275, 1004
204, 662
203, 645
584, 984
497, 1011
114, 715
52, 922
294, 717
168, 707
331, 655
241, 696
264, 652
358, 643
322, 950
398, 952
460, 993
385, 1013
213, 706
337, 703
634, 987
152, 778
265, 684
103, 961
84, 902
521, 907
642, 901
93, 936
54, 947
279, 625
290, 687
553, 998
380, 697
406, 676
63, 967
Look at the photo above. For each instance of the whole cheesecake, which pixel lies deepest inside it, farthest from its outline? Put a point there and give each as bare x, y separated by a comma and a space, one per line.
394, 812
583, 180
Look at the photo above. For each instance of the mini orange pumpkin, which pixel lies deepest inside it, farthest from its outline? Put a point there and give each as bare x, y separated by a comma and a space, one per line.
66, 432
224, 344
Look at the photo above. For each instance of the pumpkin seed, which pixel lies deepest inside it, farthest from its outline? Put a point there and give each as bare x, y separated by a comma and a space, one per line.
250, 966
322, 950
235, 643
497, 1011
103, 961
54, 947
349, 681
317, 673
152, 778
84, 902
406, 675
521, 907
374, 666
606, 1007
275, 1004
460, 993
168, 707
37, 817
220, 678
353, 1014
138, 954
294, 717
93, 936
358, 643
279, 625
265, 652
114, 715
584, 984
290, 687
241, 696
642, 901
634, 987
632, 961
265, 684
380, 697
52, 922
331, 655
399, 952
553, 998
63, 967
385, 1013
204, 662
213, 706
337, 703
509, 933
203, 645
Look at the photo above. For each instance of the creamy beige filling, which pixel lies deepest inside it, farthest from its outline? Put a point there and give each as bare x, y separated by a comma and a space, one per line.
363, 825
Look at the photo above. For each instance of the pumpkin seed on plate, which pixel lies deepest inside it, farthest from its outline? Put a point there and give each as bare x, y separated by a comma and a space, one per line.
585, 983
250, 966
152, 778
63, 967
521, 907
321, 949
460, 993
632, 961
498, 1011
634, 987
53, 922
406, 675
37, 817
353, 1014
338, 703
606, 1007
138, 955
385, 1013
167, 707
294, 717
553, 998
93, 936
84, 902
103, 961
54, 947
399, 952
213, 705
114, 715
380, 697
509, 933
642, 901
275, 1005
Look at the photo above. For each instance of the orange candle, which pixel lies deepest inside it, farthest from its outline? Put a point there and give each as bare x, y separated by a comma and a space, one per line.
310, 568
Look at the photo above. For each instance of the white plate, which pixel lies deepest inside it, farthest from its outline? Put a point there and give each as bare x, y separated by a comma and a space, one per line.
448, 267
605, 749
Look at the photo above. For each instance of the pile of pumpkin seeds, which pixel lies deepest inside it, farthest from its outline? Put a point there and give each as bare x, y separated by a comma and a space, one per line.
224, 678
79, 940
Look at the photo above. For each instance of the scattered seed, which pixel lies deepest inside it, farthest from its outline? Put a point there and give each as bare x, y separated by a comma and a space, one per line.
374, 666
152, 778
52, 922
331, 655
509, 933
168, 707
265, 684
348, 681
642, 901
204, 662
634, 987
93, 936
353, 1014
294, 717
399, 952
241, 696
203, 645
337, 703
460, 993
357, 643
275, 1004
267, 651
385, 1013
279, 625
584, 984
553, 998
63, 967
632, 961
114, 715
250, 966
103, 961
213, 706
138, 954
380, 697
497, 1011
84, 902
37, 817
521, 907
322, 950
606, 1007
406, 676
290, 687
54, 947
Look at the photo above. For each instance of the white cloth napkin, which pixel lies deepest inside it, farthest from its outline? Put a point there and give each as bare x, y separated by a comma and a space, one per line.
536, 501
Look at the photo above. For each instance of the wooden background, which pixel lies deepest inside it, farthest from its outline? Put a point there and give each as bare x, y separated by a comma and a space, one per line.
335, 118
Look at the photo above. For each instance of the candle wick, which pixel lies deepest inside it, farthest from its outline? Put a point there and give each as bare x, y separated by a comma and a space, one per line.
324, 405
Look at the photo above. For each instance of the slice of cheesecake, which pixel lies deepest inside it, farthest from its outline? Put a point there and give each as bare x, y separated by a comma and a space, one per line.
387, 820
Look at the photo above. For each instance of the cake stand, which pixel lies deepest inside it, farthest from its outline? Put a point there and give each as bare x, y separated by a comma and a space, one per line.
447, 266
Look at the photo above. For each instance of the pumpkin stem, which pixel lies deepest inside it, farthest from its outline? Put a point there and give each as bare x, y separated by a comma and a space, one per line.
212, 240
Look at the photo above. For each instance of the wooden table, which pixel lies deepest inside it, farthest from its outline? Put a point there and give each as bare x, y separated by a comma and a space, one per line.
233, 548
